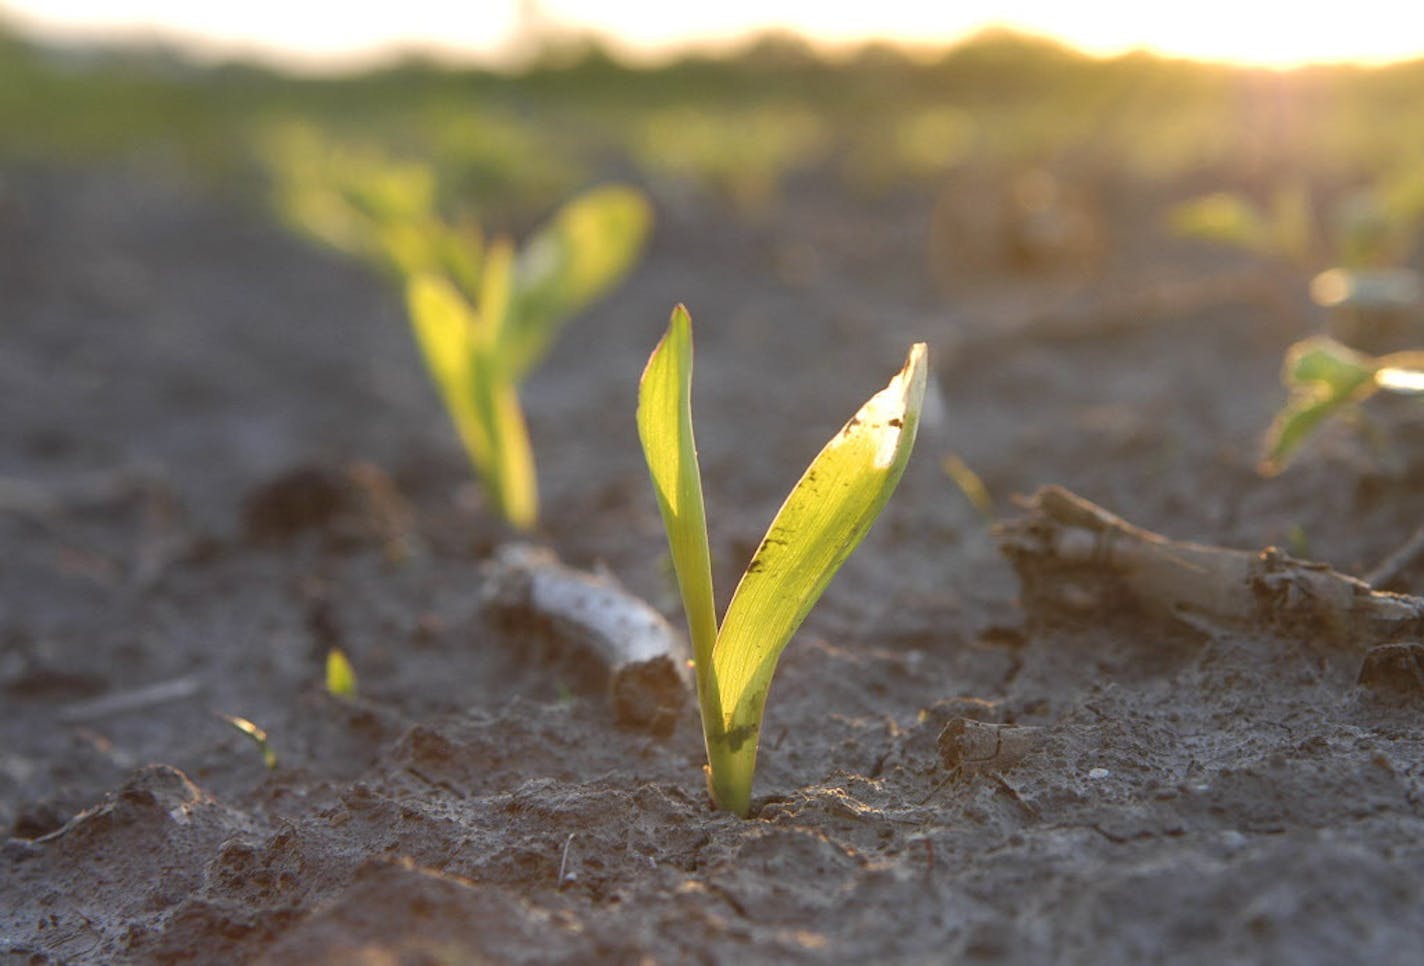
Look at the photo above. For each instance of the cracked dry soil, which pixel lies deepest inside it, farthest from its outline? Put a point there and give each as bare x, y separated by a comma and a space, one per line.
220, 457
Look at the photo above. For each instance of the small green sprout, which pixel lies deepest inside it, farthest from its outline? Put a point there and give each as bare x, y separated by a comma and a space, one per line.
480, 341
970, 484
823, 519
258, 736
1281, 230
1325, 378
340, 675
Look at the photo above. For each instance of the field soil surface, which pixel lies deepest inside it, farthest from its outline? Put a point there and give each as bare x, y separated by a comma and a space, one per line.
220, 457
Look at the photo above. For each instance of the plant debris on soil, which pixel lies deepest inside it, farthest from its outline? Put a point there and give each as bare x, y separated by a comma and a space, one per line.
220, 458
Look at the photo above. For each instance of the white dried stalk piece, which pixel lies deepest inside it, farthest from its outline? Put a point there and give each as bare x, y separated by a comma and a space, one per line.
645, 658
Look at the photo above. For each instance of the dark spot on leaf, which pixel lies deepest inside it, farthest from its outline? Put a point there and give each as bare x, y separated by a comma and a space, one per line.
740, 736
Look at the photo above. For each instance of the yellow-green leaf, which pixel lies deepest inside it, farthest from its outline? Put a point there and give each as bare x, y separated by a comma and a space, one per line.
824, 518
1323, 377
444, 328
340, 675
478, 393
589, 246
510, 477
258, 736
665, 428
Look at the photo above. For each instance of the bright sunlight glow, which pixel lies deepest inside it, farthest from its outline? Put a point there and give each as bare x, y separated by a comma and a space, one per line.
315, 34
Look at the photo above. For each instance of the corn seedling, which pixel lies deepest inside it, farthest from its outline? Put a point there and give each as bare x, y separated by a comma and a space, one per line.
257, 735
340, 675
480, 341
823, 519
1325, 379
1283, 229
483, 314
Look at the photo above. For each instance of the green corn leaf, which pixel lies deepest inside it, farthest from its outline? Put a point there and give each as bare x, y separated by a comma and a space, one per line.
444, 329
1322, 364
258, 736
340, 675
665, 429
824, 518
458, 345
1323, 377
592, 242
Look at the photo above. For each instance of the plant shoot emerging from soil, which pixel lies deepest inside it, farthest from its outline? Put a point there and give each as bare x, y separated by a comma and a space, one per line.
480, 344
340, 675
483, 313
1325, 379
824, 518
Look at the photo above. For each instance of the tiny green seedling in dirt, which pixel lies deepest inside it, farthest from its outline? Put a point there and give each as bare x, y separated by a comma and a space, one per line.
824, 518
340, 675
257, 735
1326, 379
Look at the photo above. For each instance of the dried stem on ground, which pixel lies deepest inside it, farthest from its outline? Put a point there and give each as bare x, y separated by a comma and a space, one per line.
646, 659
1072, 554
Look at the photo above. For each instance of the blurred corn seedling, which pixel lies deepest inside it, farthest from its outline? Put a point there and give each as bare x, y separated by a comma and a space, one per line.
1327, 379
484, 313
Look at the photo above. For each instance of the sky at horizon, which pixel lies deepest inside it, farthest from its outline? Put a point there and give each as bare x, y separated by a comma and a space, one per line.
309, 35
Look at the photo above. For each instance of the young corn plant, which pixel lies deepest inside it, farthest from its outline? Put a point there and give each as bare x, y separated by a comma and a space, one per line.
823, 519
1327, 379
484, 315
480, 341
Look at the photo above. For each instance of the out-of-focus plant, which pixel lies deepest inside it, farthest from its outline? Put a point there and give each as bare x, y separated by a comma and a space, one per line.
743, 154
483, 313
824, 518
360, 200
910, 145
340, 675
1326, 379
256, 734
1356, 252
1281, 229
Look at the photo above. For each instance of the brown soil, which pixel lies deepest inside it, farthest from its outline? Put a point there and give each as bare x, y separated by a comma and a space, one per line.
219, 457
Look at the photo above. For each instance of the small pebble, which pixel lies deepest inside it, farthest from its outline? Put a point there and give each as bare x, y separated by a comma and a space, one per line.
1099, 773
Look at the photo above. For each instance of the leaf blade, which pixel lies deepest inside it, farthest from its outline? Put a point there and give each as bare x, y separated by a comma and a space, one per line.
824, 518
478, 393
1323, 377
589, 246
665, 429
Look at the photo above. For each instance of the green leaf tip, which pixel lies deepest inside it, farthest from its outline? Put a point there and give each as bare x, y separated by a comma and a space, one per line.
340, 675
665, 430
825, 517
256, 734
822, 521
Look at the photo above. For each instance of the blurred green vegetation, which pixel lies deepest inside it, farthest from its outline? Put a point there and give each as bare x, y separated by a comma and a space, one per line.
483, 315
737, 126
